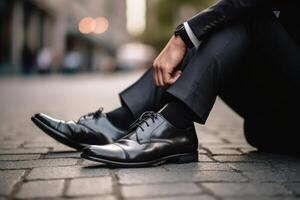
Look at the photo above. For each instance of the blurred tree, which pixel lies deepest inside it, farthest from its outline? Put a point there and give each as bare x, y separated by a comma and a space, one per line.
164, 15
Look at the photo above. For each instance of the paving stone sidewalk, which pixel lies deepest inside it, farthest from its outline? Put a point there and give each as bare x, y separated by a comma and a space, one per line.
34, 166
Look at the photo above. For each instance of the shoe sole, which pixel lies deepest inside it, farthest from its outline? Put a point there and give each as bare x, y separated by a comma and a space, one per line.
58, 136
177, 158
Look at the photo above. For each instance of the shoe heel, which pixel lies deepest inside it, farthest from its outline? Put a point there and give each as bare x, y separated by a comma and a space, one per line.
186, 159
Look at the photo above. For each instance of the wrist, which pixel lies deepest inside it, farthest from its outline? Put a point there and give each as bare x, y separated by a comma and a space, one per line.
177, 41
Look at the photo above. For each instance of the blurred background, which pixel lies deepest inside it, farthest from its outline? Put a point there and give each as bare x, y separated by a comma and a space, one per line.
76, 36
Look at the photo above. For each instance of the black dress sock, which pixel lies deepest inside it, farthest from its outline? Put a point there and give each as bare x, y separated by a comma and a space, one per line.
121, 117
178, 114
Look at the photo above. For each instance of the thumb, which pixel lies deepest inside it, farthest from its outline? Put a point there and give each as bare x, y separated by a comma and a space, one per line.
175, 76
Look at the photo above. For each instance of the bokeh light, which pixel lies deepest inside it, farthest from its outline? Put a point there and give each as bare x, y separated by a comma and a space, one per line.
101, 25
87, 25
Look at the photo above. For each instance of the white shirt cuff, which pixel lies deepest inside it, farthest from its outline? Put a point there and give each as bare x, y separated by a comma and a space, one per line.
191, 35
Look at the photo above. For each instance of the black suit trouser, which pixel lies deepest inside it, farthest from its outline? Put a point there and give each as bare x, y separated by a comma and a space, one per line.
253, 64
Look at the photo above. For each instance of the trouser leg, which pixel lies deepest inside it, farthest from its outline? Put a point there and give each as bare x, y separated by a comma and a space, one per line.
256, 56
197, 87
144, 95
218, 58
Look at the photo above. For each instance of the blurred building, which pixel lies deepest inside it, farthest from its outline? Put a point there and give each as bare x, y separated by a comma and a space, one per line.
47, 30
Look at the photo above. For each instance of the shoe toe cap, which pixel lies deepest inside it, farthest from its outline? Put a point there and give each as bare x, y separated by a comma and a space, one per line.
109, 152
47, 120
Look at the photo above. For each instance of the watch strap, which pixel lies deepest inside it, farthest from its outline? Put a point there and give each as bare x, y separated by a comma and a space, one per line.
181, 32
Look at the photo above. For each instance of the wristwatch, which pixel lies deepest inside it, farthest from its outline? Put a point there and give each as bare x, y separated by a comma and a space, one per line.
181, 32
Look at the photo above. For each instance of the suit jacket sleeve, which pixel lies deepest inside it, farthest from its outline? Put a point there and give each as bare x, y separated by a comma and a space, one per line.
224, 11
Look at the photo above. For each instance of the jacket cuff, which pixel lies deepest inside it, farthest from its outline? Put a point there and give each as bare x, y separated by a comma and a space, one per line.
191, 35
181, 32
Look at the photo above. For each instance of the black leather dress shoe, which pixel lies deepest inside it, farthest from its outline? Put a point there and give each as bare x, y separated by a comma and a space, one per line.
91, 129
152, 141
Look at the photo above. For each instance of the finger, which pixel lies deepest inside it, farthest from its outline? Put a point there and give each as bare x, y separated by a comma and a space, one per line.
160, 77
177, 73
166, 76
155, 76
175, 77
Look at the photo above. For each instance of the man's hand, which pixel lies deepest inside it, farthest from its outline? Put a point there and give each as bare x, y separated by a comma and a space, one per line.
165, 63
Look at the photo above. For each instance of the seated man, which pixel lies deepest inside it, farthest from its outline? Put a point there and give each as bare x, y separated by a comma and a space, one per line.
240, 50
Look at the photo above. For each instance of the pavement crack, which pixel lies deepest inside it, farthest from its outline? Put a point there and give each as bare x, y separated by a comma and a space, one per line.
117, 192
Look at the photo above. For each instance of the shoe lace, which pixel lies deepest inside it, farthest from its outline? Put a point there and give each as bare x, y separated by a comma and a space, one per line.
96, 114
143, 119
